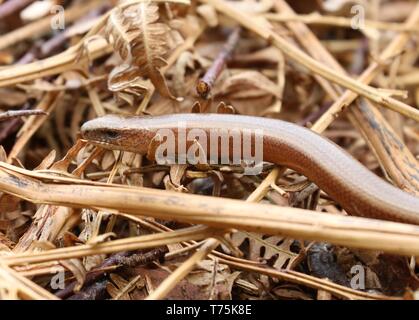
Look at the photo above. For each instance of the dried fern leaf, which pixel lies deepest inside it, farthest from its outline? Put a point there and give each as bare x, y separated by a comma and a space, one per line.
125, 82
141, 41
117, 28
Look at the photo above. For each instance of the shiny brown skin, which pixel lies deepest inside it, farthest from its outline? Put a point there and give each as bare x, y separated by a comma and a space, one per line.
354, 187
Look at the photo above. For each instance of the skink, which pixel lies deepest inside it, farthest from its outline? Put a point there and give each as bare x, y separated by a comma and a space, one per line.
354, 187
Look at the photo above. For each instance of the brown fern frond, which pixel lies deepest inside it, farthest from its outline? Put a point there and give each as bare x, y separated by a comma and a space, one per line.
141, 41
125, 82
117, 30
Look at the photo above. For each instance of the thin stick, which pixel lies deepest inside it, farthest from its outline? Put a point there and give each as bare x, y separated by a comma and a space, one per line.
315, 18
21, 113
205, 84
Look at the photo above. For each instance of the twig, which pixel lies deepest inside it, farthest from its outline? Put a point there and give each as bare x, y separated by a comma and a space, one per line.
316, 18
21, 113
205, 84
142, 258
47, 103
118, 260
12, 125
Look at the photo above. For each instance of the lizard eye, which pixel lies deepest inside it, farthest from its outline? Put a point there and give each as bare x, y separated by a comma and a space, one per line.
110, 134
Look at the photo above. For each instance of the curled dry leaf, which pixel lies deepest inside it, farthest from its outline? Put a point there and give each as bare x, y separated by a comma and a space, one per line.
177, 172
142, 42
186, 60
225, 109
126, 83
101, 238
169, 185
77, 269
